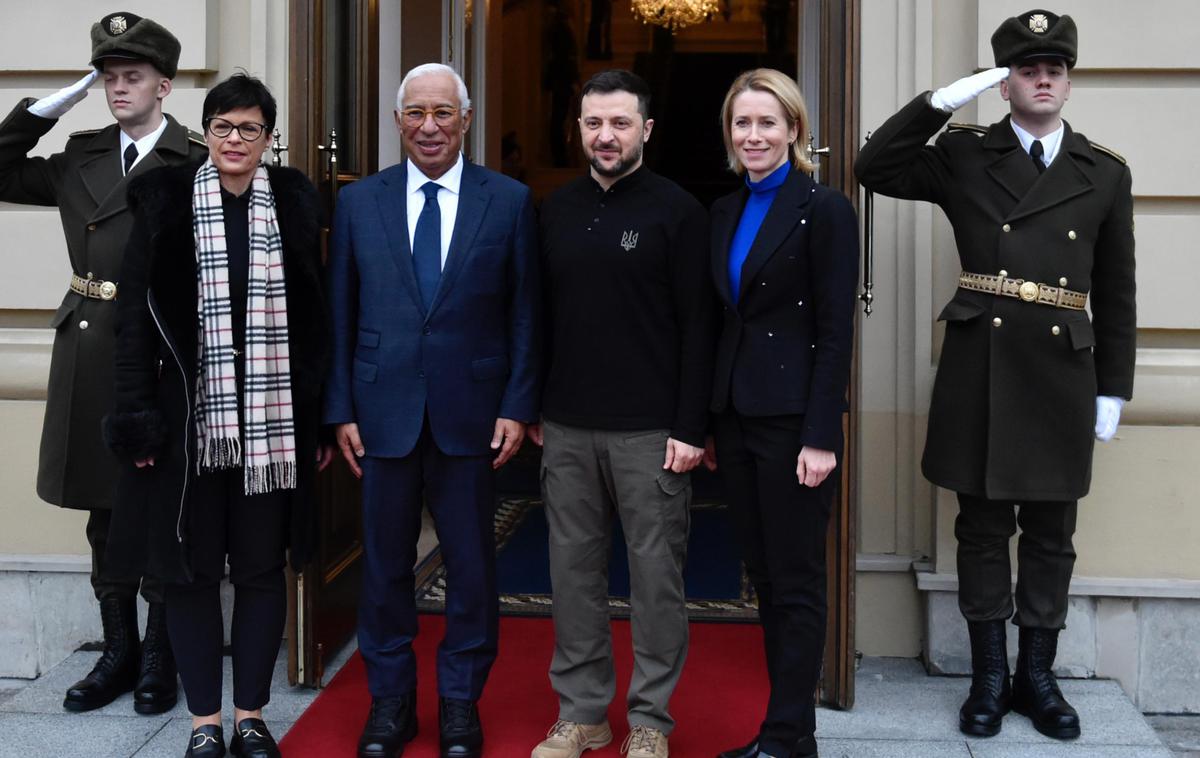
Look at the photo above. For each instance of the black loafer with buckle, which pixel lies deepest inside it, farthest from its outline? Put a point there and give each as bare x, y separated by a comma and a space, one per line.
206, 742
252, 740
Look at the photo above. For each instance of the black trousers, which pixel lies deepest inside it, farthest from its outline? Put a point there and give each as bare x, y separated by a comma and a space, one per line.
104, 584
781, 526
252, 532
1045, 559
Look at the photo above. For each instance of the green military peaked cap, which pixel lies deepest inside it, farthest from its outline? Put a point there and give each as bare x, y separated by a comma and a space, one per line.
1033, 34
129, 36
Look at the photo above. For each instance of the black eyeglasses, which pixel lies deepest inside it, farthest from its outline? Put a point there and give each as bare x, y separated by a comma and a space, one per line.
220, 128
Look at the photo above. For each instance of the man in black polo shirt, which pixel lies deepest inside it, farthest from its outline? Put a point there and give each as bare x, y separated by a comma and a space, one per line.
630, 337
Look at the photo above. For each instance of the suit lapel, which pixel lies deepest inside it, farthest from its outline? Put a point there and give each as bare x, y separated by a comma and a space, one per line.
786, 211
724, 223
1013, 168
101, 173
473, 199
1062, 180
393, 212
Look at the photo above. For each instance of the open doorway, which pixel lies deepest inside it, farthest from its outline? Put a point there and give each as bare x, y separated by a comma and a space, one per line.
551, 47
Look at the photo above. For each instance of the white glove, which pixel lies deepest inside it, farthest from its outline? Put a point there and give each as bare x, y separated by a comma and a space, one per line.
1108, 415
954, 96
56, 105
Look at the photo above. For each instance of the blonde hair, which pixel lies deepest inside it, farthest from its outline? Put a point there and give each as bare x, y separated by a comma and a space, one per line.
787, 92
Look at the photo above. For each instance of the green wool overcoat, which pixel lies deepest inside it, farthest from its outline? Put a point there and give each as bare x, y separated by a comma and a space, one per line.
85, 182
1013, 411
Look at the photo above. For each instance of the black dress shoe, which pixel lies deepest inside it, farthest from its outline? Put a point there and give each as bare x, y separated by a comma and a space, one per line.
115, 673
991, 693
252, 740
157, 685
461, 732
391, 724
1035, 689
745, 751
206, 742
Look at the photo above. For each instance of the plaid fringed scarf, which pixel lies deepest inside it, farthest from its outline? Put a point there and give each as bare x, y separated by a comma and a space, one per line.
269, 439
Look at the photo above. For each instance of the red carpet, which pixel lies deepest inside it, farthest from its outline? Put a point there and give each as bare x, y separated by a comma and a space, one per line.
718, 704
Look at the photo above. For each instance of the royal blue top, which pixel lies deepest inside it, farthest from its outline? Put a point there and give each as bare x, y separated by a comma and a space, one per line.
762, 194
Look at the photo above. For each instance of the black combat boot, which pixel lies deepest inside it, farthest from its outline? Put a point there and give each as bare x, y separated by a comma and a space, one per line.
157, 686
117, 670
1035, 690
991, 693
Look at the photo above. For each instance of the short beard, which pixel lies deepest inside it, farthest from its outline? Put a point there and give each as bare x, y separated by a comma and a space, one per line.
620, 167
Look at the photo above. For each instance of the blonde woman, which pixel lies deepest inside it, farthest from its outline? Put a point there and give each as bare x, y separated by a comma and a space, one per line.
785, 262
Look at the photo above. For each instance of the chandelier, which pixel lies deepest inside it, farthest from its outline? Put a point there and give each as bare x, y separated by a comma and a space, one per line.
674, 14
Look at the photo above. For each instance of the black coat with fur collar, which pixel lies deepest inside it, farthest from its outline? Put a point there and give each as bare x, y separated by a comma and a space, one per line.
157, 327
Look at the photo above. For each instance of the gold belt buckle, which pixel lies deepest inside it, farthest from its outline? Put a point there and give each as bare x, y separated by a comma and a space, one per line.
108, 291
1028, 291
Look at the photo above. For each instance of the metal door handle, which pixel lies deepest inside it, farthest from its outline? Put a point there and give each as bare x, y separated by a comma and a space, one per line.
277, 149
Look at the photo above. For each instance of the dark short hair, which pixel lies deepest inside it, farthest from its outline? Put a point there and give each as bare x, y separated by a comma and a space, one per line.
620, 80
240, 91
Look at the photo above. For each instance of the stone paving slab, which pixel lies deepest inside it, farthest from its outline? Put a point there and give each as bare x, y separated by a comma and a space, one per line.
1039, 750
64, 735
893, 749
1181, 733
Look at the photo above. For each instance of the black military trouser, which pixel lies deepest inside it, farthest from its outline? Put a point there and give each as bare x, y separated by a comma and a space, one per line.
103, 583
1045, 558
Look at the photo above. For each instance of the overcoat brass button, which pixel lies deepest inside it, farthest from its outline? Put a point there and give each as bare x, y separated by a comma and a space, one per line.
996, 321
1071, 234
1006, 228
83, 324
1055, 330
91, 227
1062, 281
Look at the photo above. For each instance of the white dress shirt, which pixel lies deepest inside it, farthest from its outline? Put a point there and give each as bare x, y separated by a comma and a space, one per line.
144, 145
1050, 143
447, 196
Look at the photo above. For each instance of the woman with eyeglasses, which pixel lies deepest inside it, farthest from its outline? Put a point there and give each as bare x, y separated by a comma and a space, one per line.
221, 346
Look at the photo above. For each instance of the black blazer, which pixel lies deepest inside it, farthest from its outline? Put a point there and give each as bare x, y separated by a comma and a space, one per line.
786, 343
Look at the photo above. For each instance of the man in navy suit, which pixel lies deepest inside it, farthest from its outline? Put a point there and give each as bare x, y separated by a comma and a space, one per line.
434, 293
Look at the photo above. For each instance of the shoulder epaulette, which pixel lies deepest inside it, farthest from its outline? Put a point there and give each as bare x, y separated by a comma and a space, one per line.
1109, 152
84, 133
197, 138
967, 128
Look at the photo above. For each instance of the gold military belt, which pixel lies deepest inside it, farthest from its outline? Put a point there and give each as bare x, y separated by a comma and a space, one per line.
97, 289
1030, 292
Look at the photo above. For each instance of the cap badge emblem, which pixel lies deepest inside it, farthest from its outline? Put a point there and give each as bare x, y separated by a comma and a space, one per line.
117, 25
1038, 23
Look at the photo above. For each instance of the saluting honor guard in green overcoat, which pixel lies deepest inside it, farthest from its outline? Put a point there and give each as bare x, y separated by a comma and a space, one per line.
137, 59
1043, 219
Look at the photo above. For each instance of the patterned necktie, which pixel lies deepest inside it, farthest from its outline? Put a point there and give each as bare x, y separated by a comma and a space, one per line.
427, 246
1036, 151
130, 156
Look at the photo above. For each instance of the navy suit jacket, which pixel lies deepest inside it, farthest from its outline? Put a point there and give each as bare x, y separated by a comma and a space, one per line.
474, 357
